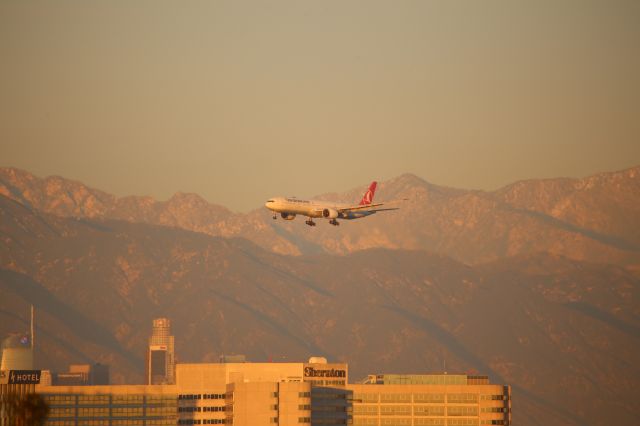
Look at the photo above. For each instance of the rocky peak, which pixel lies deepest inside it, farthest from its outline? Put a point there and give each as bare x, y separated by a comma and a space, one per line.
187, 199
54, 194
407, 180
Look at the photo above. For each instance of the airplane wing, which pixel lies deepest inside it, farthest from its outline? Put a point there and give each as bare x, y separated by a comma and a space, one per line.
372, 206
356, 208
384, 210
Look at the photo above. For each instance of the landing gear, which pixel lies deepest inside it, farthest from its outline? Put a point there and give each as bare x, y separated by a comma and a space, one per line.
334, 222
310, 222
275, 216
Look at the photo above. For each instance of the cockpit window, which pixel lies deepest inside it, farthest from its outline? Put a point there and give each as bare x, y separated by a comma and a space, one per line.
270, 201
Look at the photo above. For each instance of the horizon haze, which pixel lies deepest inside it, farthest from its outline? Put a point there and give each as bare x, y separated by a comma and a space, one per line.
241, 101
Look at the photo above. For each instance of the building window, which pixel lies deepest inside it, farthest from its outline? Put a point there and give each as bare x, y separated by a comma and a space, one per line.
214, 396
395, 410
462, 398
56, 412
115, 399
213, 409
126, 411
428, 410
161, 410
365, 422
93, 412
190, 396
428, 422
462, 411
492, 397
104, 399
493, 409
365, 410
462, 422
395, 422
366, 397
429, 398
395, 398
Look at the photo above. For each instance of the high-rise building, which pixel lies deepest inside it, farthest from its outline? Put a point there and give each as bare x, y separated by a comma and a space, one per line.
160, 359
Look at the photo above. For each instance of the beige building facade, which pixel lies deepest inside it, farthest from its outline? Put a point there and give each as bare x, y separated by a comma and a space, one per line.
255, 394
223, 393
259, 393
430, 400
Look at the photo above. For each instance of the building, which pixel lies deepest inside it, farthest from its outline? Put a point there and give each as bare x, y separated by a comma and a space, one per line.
225, 393
83, 375
110, 405
17, 349
17, 352
262, 393
433, 400
314, 393
100, 374
15, 384
160, 357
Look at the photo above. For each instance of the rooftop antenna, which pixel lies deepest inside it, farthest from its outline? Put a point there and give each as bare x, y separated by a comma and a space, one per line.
445, 365
32, 329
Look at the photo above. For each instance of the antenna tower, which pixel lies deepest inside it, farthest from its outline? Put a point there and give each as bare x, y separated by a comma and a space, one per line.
32, 329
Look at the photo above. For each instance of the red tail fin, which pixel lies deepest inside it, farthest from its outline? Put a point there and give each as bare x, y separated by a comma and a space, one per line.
367, 198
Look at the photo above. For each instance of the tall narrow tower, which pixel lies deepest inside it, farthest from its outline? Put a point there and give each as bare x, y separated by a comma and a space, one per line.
33, 333
160, 359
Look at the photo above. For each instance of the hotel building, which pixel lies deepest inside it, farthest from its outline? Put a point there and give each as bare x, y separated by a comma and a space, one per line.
315, 393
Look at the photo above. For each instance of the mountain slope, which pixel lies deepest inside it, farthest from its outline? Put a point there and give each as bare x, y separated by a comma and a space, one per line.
564, 333
606, 203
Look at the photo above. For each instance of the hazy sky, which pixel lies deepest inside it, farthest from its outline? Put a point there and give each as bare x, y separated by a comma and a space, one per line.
239, 101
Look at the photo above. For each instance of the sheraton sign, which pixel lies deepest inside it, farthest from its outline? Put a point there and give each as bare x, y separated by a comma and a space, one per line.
313, 372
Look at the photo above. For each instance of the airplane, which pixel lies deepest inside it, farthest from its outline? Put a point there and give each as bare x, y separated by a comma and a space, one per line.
289, 207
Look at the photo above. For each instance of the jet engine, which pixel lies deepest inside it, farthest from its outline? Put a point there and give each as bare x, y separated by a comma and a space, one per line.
287, 216
330, 213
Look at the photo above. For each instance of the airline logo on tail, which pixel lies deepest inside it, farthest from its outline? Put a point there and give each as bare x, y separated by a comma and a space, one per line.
367, 198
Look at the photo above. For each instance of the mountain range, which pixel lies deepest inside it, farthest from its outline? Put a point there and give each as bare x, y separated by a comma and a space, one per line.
595, 219
535, 284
